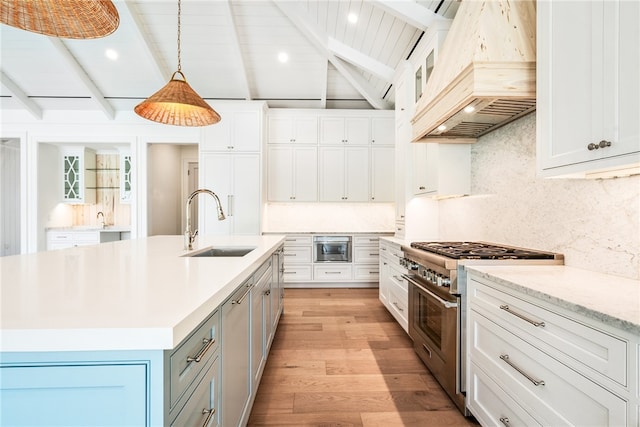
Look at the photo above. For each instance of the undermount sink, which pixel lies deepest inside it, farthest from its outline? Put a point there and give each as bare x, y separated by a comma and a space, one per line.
222, 251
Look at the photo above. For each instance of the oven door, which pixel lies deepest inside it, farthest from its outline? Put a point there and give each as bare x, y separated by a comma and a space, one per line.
434, 327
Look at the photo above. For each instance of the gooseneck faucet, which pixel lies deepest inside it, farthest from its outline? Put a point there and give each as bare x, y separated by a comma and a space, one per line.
102, 223
190, 237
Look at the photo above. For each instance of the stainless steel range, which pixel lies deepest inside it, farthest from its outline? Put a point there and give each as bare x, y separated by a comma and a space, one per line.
437, 301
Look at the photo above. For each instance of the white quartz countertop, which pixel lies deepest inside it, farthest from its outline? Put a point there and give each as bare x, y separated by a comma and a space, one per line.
139, 294
610, 299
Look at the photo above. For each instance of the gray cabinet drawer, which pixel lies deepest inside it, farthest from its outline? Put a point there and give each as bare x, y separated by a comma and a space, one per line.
202, 406
188, 360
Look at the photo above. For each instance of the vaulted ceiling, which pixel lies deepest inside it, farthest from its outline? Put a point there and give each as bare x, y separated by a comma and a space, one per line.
229, 51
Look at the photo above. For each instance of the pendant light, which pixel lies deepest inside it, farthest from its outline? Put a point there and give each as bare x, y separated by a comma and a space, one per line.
70, 19
177, 103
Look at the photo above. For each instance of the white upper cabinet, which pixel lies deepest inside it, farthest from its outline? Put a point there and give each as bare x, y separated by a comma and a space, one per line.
383, 131
382, 187
441, 169
78, 175
344, 174
344, 130
588, 107
292, 174
292, 129
238, 131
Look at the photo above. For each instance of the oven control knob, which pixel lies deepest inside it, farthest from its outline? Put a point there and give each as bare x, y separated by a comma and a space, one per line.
446, 281
438, 280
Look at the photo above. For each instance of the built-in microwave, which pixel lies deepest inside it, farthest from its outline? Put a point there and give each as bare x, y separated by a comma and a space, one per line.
332, 248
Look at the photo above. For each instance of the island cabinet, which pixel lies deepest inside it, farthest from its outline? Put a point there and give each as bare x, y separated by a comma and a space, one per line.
209, 379
535, 363
588, 88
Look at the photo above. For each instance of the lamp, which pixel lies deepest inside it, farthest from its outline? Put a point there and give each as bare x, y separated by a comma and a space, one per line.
177, 103
71, 19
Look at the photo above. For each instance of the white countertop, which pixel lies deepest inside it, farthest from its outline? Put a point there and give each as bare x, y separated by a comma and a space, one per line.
128, 295
610, 299
107, 229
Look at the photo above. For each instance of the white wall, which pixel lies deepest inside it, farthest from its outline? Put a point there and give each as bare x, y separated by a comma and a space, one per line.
9, 197
50, 207
594, 223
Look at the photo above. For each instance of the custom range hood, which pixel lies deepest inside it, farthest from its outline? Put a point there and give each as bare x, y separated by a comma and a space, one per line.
485, 76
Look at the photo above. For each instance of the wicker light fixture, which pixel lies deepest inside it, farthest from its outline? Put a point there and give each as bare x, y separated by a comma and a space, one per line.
71, 19
177, 103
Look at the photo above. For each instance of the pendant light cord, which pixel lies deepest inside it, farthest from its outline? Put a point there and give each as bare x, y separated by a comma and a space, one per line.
179, 64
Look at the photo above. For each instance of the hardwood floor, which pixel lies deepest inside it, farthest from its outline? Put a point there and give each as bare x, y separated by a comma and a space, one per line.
340, 359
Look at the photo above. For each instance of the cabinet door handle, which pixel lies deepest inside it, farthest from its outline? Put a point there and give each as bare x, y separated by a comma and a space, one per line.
421, 188
230, 204
239, 300
535, 382
601, 144
208, 342
209, 411
506, 308
505, 421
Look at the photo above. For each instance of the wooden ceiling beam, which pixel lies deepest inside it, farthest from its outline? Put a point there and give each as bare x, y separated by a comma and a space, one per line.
410, 12
321, 41
237, 48
20, 95
96, 94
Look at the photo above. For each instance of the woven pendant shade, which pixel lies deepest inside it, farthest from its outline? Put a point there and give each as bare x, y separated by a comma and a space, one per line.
177, 104
71, 19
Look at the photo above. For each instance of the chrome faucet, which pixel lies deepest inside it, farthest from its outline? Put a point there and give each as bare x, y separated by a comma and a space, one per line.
190, 237
102, 223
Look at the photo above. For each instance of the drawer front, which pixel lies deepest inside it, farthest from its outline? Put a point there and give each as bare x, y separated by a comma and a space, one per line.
562, 396
399, 302
297, 273
582, 345
202, 408
59, 236
188, 360
295, 254
87, 237
298, 240
366, 241
367, 273
491, 405
331, 273
366, 255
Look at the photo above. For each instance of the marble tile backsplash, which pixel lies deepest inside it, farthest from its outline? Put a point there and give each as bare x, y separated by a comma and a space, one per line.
594, 223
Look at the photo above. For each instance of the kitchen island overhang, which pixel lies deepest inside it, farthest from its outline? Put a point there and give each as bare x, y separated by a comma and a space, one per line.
140, 294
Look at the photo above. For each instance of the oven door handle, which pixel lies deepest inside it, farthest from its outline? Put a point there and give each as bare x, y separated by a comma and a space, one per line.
445, 303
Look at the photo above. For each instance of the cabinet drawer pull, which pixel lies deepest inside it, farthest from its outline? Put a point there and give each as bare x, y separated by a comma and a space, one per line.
427, 349
207, 343
210, 411
535, 382
398, 307
333, 272
239, 300
504, 420
290, 272
373, 254
506, 308
289, 254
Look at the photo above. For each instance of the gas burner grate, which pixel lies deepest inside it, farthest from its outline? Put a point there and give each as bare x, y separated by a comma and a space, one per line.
478, 250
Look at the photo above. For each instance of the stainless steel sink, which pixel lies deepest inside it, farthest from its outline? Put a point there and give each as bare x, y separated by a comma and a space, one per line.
222, 251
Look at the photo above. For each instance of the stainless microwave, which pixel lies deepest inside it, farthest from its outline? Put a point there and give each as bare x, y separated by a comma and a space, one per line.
332, 248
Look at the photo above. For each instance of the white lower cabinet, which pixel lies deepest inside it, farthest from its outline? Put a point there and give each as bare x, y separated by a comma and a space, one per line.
536, 364
236, 379
393, 288
68, 239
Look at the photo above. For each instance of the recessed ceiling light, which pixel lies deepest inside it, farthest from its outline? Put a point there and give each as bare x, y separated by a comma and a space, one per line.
283, 57
442, 127
352, 17
469, 109
111, 54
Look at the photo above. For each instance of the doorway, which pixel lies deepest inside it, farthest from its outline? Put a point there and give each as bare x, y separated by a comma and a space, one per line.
171, 172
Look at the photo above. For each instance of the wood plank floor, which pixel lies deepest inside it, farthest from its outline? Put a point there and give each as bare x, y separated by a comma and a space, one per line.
340, 359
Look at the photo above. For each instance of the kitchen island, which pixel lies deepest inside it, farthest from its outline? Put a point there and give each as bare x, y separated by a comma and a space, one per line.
96, 333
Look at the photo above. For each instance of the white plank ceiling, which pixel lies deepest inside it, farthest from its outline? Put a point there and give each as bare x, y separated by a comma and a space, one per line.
229, 51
